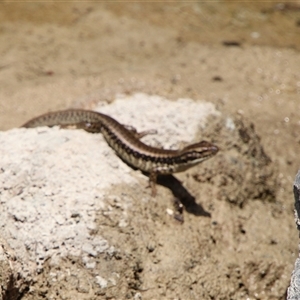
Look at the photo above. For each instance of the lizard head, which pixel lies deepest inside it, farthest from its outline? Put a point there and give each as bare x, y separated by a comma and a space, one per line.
195, 154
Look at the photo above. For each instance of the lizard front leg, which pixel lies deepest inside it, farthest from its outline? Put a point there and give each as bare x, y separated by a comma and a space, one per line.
152, 182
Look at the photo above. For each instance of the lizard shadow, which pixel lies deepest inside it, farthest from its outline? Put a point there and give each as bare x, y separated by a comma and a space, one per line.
181, 193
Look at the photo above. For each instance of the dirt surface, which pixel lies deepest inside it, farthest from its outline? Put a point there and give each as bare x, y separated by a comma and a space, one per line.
242, 57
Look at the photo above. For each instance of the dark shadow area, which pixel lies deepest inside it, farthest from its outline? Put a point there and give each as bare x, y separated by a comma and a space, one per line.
181, 193
12, 292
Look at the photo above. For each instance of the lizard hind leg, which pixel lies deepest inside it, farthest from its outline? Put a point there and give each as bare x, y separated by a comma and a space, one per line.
141, 134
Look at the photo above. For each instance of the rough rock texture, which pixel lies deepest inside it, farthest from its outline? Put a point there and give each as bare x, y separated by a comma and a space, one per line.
240, 56
82, 223
294, 288
9, 288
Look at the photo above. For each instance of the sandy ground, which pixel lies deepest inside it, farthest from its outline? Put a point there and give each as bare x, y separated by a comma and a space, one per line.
244, 59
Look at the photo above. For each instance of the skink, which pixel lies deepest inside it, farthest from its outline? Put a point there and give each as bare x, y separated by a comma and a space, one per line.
126, 143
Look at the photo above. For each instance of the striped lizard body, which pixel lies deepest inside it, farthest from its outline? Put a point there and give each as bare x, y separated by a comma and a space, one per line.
126, 143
